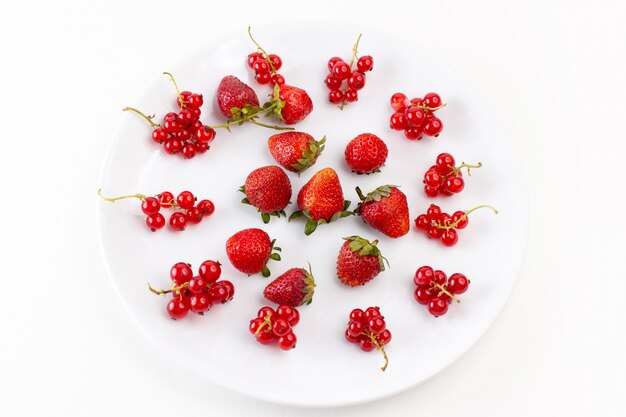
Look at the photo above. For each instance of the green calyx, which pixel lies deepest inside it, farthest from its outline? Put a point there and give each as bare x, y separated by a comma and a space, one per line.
274, 256
366, 248
376, 195
310, 155
266, 217
276, 103
309, 288
312, 224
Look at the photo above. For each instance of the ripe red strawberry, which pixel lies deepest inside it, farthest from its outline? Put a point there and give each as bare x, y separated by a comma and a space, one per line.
321, 200
249, 250
359, 261
293, 288
385, 209
293, 104
269, 190
295, 151
366, 153
234, 93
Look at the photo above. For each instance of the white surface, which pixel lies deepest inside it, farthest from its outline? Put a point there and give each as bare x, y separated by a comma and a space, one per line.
337, 372
554, 73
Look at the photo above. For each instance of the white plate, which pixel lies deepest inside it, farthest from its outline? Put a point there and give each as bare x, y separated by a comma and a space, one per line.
323, 370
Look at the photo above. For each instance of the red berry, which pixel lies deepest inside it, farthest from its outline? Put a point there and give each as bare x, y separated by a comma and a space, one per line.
261, 66
376, 325
433, 126
384, 338
171, 125
194, 215
422, 222
449, 237
460, 219
264, 312
218, 293
229, 287
159, 135
432, 100
197, 285
181, 273
287, 341
177, 308
356, 80
415, 116
454, 184
150, 206
195, 101
437, 307
424, 276
206, 206
433, 212
155, 221
202, 147
341, 70
183, 99
357, 315
277, 79
445, 163
210, 271
253, 57
332, 62
285, 312
173, 146
350, 338
276, 61
413, 133
189, 150
178, 221
423, 295
430, 191
399, 102
185, 200
365, 63
335, 96
372, 312
263, 77
440, 277
196, 115
398, 121
265, 336
183, 135
281, 327
350, 95
434, 232
205, 134
166, 199
355, 328
186, 117
200, 303
295, 318
255, 324
332, 82
433, 178
457, 283
366, 344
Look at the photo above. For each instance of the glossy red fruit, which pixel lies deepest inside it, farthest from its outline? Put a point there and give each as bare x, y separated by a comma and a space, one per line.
357, 315
433, 212
398, 121
263, 78
185, 200
454, 184
372, 312
350, 338
460, 219
159, 135
172, 146
178, 221
230, 289
199, 303
255, 324
166, 199
365, 63
189, 150
415, 116
150, 206
206, 206
332, 61
265, 336
297, 104
430, 191
177, 308
218, 293
341, 70
413, 133
437, 307
277, 79
424, 276
295, 151
277, 63
376, 325
281, 327
385, 209
355, 328
433, 126
399, 102
457, 283
232, 92
432, 100
287, 341
335, 96
422, 222
423, 295
285, 312
155, 221
366, 153
293, 288
205, 134
384, 338
253, 57
180, 273
295, 318
433, 178
356, 80
366, 344
260, 66
350, 95
266, 313
332, 82
210, 271
449, 237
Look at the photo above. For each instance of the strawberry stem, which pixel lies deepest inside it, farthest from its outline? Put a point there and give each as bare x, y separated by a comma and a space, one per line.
143, 115
250, 117
114, 199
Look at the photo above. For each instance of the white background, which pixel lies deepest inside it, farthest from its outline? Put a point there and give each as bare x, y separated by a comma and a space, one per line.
555, 72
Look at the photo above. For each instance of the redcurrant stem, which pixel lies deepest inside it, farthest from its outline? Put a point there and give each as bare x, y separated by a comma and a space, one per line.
380, 347
180, 97
250, 118
438, 225
355, 51
431, 109
172, 289
266, 322
145, 116
460, 167
114, 199
443, 290
263, 51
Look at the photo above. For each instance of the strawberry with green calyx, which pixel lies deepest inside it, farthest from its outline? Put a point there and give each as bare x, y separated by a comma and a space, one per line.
293, 288
321, 200
385, 209
289, 104
269, 190
295, 151
249, 250
359, 261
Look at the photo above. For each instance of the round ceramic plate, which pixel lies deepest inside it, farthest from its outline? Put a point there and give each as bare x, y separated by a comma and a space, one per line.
324, 369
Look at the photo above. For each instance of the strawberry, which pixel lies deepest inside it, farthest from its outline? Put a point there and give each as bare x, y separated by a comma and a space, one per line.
359, 261
321, 200
269, 190
385, 209
366, 153
249, 250
234, 93
289, 104
293, 288
295, 151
